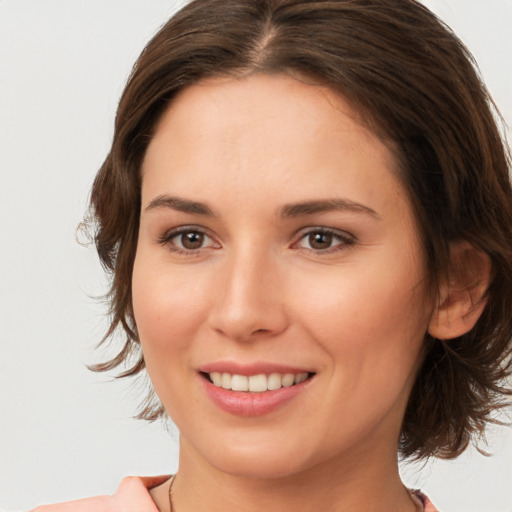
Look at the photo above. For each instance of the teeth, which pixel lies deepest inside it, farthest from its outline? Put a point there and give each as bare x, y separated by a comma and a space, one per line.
256, 383
216, 378
225, 381
274, 381
239, 382
288, 380
300, 377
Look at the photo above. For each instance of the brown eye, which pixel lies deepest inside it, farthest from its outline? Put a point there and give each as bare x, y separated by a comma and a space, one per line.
323, 241
188, 241
191, 240
320, 240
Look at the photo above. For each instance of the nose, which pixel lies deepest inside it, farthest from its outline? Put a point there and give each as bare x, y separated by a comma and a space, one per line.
251, 300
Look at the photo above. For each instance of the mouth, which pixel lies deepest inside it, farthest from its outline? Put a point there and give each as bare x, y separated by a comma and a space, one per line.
254, 389
260, 383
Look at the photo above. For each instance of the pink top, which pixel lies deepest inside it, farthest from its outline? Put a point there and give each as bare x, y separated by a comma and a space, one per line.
132, 496
427, 504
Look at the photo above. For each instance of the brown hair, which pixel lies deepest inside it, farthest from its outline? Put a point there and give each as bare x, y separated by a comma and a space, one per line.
416, 86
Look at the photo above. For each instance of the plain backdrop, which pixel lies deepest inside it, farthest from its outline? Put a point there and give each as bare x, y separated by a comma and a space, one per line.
64, 431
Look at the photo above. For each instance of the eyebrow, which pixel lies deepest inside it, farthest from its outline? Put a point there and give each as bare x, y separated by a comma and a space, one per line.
324, 206
179, 204
289, 210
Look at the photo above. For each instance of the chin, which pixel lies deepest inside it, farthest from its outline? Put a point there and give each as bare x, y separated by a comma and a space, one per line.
262, 459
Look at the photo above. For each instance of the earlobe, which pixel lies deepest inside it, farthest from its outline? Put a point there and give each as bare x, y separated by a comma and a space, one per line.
462, 294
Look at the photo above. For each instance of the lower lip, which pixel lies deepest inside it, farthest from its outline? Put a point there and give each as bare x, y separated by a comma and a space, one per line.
249, 404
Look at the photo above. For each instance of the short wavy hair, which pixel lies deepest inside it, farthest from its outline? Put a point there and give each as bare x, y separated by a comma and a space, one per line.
417, 87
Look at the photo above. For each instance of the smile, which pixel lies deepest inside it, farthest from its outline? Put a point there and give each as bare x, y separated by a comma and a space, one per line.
256, 383
253, 390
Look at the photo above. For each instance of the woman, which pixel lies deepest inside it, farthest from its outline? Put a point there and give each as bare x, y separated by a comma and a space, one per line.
307, 216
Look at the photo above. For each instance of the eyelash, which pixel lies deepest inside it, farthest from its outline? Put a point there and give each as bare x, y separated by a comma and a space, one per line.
345, 240
167, 237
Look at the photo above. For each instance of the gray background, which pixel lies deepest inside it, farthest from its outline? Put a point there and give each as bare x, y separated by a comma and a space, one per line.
64, 431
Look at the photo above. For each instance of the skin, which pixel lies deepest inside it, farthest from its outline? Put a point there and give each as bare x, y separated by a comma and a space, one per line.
255, 289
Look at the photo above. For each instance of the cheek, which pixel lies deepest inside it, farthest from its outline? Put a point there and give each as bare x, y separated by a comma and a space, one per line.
373, 317
371, 329
168, 306
169, 310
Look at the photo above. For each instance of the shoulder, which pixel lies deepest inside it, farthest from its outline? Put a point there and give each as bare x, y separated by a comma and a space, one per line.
96, 504
132, 495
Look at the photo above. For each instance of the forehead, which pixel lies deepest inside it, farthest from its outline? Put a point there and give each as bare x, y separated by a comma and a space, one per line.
263, 134
261, 101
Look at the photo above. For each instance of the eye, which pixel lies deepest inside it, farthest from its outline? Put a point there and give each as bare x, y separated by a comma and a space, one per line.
323, 240
187, 240
190, 240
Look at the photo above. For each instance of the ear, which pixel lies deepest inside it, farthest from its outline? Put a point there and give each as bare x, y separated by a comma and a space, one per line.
462, 294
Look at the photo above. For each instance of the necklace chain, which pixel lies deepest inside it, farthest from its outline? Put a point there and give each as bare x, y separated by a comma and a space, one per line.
171, 508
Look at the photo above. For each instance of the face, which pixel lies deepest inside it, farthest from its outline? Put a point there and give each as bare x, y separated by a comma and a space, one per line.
279, 284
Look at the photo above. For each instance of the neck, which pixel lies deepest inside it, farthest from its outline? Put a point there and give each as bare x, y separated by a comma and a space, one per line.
354, 483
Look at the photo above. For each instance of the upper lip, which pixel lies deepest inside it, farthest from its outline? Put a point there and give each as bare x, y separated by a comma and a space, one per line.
248, 369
